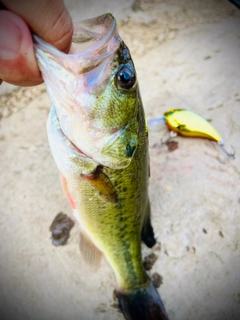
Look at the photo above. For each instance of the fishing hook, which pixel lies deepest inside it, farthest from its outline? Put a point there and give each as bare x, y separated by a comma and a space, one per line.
172, 135
230, 155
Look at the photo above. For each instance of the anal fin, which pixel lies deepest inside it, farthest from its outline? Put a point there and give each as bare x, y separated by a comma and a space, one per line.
90, 253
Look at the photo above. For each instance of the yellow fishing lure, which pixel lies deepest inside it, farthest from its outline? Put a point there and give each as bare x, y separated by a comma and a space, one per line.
189, 124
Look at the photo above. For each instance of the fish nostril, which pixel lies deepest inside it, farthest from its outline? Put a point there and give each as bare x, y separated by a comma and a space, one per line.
131, 147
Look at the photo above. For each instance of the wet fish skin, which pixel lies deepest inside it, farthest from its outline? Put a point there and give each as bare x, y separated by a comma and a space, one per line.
115, 228
108, 191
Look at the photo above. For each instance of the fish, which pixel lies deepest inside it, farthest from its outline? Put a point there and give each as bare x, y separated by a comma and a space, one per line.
189, 124
98, 137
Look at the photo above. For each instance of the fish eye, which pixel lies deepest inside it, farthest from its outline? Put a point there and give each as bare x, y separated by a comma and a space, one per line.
125, 78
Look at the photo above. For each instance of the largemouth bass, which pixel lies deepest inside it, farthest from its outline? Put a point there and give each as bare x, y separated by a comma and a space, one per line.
99, 140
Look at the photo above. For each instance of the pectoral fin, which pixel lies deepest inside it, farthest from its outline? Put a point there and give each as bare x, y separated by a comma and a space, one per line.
90, 253
102, 184
66, 191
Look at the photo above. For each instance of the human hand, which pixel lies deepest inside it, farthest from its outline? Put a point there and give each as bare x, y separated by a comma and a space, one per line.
49, 19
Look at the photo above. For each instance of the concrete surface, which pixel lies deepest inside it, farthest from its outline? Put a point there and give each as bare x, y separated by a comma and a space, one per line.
187, 54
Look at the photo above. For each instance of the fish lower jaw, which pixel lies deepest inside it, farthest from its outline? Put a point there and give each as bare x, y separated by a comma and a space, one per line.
77, 149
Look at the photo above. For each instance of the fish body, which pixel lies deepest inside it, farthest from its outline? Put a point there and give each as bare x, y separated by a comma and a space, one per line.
189, 124
99, 140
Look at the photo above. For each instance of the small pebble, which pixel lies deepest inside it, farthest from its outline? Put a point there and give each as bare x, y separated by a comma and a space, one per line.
60, 229
149, 261
157, 279
172, 145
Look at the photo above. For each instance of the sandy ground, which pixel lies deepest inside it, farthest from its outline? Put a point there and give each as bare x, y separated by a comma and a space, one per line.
187, 56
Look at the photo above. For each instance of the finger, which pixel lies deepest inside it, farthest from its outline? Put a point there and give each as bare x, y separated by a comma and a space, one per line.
47, 18
17, 59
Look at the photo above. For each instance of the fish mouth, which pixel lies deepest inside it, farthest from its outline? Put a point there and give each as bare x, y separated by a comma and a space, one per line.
93, 41
98, 34
86, 69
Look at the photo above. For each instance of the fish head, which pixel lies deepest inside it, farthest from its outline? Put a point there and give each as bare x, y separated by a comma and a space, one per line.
94, 90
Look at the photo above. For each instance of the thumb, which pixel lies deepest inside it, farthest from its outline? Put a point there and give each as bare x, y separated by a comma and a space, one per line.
17, 58
49, 19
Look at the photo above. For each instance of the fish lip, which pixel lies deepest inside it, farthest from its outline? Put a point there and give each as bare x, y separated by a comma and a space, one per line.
105, 39
109, 41
71, 75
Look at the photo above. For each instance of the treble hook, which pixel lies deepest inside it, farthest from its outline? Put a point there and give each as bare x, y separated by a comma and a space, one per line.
171, 135
230, 155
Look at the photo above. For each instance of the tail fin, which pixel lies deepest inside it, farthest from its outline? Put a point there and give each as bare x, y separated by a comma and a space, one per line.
142, 304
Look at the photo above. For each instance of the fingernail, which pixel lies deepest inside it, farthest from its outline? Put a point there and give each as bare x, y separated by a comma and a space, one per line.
10, 36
